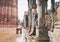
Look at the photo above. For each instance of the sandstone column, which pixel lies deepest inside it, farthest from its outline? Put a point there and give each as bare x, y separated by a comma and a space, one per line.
56, 32
58, 13
39, 11
30, 12
52, 14
43, 32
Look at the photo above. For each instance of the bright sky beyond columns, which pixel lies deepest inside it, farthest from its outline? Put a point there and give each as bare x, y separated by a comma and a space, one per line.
23, 6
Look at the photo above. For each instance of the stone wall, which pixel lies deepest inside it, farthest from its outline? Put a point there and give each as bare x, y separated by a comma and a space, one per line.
8, 12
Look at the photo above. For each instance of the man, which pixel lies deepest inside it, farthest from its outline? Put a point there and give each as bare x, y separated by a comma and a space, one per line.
26, 19
34, 21
25, 30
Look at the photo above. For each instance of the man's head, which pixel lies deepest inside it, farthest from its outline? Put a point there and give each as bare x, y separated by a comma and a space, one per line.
26, 13
34, 11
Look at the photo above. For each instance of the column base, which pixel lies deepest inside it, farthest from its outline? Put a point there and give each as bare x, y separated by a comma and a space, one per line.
41, 39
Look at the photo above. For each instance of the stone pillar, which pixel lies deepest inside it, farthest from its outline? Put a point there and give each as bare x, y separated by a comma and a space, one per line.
39, 11
52, 14
56, 33
30, 12
43, 32
46, 13
58, 13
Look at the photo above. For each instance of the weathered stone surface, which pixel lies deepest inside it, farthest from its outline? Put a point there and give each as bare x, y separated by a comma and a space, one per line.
56, 37
58, 14
8, 34
25, 36
50, 34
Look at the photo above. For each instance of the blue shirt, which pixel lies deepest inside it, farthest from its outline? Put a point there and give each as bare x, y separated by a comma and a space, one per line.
35, 16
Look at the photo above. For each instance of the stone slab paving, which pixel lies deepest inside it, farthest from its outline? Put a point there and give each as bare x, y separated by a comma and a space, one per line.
20, 39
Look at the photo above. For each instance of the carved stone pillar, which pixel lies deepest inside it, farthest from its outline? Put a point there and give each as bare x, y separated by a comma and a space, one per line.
39, 11
52, 14
58, 13
43, 32
30, 12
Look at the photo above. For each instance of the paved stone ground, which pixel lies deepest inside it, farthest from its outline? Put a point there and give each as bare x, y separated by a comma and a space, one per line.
21, 40
9, 35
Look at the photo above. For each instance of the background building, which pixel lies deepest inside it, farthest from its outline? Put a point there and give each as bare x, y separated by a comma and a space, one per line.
8, 12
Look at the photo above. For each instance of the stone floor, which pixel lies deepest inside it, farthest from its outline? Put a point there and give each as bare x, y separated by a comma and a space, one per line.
9, 35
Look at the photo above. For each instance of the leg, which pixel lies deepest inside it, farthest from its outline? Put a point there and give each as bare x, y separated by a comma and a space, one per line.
32, 30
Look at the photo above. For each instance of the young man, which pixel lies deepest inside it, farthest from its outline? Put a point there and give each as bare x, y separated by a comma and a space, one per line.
25, 30
34, 22
26, 19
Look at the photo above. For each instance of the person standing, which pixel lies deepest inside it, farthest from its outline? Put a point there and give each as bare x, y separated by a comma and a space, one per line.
34, 21
25, 30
